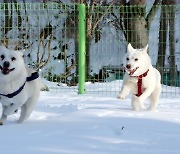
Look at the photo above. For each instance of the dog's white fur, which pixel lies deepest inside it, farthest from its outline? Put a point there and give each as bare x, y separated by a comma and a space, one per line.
12, 81
151, 84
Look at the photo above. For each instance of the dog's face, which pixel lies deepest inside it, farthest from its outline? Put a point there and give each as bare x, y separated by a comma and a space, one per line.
136, 61
11, 62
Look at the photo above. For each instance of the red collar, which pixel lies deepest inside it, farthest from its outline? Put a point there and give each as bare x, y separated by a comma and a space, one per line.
139, 83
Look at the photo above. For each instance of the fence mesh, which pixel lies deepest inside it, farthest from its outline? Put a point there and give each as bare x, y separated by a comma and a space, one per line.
48, 32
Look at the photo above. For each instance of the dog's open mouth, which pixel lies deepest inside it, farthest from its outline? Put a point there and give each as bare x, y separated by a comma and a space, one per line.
131, 72
6, 70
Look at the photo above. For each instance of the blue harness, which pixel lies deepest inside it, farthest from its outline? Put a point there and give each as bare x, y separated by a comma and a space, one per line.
33, 76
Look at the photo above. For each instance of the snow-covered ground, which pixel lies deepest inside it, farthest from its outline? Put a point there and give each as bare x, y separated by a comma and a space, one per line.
68, 123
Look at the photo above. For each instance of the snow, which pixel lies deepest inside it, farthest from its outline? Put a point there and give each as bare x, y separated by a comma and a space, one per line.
64, 122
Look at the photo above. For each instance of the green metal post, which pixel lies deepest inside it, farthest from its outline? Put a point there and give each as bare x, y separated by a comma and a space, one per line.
81, 48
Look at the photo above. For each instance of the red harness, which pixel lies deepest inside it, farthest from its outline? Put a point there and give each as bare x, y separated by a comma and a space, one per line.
139, 83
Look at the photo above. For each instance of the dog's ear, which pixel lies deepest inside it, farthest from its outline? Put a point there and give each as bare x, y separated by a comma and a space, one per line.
21, 52
145, 49
130, 48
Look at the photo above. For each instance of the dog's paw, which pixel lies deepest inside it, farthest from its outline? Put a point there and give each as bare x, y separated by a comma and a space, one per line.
1, 123
121, 96
152, 108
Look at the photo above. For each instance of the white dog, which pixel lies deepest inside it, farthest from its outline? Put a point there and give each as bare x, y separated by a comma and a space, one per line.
19, 86
141, 79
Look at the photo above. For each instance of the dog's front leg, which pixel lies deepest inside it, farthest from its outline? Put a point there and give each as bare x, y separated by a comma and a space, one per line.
13, 108
3, 116
147, 92
124, 92
136, 103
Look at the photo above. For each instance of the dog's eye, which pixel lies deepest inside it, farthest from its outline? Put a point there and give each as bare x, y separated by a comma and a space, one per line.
127, 59
13, 58
2, 57
136, 59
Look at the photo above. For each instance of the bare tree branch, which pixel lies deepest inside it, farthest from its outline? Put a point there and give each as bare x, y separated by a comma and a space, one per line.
118, 24
101, 18
49, 51
41, 62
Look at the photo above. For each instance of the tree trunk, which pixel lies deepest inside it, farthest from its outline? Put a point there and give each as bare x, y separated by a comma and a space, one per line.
8, 21
88, 48
162, 38
19, 19
89, 35
172, 44
167, 16
135, 24
76, 58
138, 35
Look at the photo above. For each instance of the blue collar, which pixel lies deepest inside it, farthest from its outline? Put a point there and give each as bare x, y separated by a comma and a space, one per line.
33, 76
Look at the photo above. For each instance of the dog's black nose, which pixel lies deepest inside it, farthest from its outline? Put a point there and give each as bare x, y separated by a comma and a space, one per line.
128, 66
6, 64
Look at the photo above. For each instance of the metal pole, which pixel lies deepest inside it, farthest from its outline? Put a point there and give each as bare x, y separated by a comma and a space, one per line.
81, 48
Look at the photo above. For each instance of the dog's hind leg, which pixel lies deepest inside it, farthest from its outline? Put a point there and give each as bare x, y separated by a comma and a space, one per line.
154, 98
3, 116
27, 109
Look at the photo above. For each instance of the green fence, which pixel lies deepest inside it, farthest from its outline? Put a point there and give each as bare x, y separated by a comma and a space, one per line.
80, 48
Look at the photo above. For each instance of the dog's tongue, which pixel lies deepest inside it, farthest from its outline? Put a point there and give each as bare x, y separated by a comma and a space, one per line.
131, 72
5, 70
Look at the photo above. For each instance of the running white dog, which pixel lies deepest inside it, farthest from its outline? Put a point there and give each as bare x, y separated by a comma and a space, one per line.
141, 79
19, 86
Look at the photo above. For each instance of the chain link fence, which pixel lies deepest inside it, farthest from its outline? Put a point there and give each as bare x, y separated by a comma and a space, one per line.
48, 34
